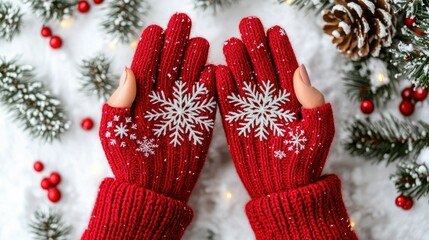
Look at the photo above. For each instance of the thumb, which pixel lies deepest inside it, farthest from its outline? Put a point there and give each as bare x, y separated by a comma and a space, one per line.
308, 96
124, 95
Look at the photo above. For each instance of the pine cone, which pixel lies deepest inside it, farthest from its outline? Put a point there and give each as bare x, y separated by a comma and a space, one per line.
360, 27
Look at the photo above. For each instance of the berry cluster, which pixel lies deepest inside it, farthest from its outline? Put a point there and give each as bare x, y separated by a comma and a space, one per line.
404, 202
410, 23
410, 96
49, 183
55, 41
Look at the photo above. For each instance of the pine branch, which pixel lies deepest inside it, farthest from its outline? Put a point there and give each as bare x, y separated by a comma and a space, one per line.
310, 5
412, 179
96, 77
213, 4
52, 9
49, 226
411, 56
10, 20
30, 102
371, 78
388, 139
124, 21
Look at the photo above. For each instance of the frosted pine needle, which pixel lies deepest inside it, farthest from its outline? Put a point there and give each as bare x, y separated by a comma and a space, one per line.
96, 77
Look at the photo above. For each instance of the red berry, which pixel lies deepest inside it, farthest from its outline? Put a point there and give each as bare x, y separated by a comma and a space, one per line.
45, 183
54, 195
367, 106
420, 94
55, 42
83, 6
38, 166
98, 1
418, 32
407, 93
400, 200
87, 124
55, 178
409, 21
46, 31
408, 204
406, 107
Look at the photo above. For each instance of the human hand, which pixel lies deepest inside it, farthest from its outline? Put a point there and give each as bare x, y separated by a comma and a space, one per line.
278, 127
157, 126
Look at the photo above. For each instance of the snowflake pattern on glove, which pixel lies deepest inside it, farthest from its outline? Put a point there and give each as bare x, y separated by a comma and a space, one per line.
183, 114
279, 154
120, 131
260, 110
296, 140
147, 146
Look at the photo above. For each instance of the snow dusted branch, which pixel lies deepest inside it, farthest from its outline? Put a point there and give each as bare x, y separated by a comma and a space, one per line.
30, 102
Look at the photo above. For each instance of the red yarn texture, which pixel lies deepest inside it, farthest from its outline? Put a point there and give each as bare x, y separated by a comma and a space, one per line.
279, 149
157, 148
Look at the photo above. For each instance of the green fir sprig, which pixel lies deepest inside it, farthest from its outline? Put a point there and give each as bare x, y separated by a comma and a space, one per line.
124, 19
412, 179
371, 78
96, 77
49, 226
213, 4
52, 9
10, 20
411, 54
40, 113
387, 139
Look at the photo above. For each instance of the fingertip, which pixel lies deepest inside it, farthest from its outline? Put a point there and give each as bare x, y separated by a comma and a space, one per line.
180, 19
249, 21
124, 95
308, 96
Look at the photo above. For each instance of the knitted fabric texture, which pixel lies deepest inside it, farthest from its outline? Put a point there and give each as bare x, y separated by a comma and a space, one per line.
278, 148
156, 149
124, 211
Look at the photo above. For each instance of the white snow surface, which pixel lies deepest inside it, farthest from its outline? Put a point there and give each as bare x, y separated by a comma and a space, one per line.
219, 198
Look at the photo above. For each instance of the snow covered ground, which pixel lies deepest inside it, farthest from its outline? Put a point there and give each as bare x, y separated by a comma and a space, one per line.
219, 197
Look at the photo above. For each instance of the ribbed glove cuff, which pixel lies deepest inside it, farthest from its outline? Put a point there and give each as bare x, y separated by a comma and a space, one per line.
315, 211
124, 211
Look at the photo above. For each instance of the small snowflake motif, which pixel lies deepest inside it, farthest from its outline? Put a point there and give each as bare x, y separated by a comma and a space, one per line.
146, 146
121, 130
260, 110
109, 124
279, 154
116, 118
296, 140
108, 135
112, 142
184, 113
123, 144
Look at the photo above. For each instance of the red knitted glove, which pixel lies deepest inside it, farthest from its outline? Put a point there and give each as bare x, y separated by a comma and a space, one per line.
279, 149
157, 148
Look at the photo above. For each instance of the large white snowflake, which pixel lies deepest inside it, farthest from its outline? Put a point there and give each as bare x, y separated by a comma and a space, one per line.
296, 140
184, 113
260, 109
146, 146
